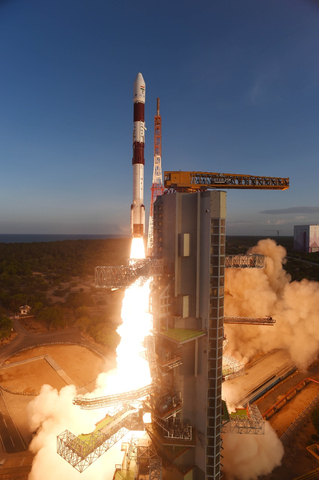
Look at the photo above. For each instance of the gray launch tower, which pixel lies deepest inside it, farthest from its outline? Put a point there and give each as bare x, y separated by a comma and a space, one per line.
188, 310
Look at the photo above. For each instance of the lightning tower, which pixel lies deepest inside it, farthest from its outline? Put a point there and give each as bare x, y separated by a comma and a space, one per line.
157, 187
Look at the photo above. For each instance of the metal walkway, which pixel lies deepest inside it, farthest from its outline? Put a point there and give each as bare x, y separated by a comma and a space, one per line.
119, 398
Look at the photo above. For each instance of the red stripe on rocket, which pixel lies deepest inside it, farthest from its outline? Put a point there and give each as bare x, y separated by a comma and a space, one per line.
137, 207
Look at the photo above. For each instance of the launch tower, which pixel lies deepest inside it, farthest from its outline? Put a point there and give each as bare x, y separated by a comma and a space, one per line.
157, 187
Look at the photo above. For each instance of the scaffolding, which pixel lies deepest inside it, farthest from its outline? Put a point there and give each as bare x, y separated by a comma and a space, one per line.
148, 461
109, 400
249, 320
245, 261
82, 450
232, 368
169, 363
124, 275
79, 454
143, 453
245, 421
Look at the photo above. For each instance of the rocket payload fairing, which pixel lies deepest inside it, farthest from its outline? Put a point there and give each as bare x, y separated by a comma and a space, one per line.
137, 207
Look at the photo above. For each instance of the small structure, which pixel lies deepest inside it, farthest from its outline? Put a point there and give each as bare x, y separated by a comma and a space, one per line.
25, 310
306, 238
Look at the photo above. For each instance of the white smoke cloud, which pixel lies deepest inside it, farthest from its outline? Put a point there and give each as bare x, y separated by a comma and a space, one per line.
248, 456
269, 291
49, 414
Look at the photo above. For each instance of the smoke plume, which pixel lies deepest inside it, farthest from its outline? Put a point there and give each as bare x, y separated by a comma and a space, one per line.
269, 291
50, 413
248, 456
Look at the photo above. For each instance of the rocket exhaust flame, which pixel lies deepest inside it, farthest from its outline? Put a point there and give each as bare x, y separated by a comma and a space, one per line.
137, 248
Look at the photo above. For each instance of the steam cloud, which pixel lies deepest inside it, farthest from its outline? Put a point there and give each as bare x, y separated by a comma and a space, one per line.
269, 291
295, 306
248, 456
50, 413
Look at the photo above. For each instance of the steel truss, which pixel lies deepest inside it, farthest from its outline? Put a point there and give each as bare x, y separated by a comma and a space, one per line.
147, 454
120, 398
79, 454
232, 368
245, 261
82, 452
123, 276
169, 364
249, 320
251, 422
201, 181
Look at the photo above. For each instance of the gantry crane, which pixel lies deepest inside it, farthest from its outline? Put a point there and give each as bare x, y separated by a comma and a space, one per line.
200, 181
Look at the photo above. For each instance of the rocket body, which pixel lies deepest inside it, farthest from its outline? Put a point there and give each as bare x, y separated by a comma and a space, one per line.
137, 207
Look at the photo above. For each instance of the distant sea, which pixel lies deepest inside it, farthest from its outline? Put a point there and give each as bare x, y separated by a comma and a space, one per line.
30, 238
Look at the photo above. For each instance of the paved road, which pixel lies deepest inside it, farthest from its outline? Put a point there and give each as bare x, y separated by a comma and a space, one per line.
9, 435
26, 339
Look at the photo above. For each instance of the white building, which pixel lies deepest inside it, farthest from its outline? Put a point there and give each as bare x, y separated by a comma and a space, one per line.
306, 238
24, 310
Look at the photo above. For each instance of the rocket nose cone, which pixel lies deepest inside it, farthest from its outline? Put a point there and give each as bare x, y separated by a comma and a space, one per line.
139, 89
139, 78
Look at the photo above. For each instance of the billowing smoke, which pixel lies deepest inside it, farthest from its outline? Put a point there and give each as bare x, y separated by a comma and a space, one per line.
248, 456
295, 306
269, 291
50, 413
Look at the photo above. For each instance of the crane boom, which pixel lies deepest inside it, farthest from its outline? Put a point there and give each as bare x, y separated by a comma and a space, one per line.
199, 181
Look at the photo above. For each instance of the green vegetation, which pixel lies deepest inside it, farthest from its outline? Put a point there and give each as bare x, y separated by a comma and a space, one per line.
5, 326
49, 276
62, 260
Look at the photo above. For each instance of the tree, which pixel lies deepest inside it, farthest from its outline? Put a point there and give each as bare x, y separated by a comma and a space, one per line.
82, 312
5, 326
80, 299
52, 317
37, 307
83, 323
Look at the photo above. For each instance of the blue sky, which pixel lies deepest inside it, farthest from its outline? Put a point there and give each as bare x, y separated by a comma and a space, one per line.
239, 89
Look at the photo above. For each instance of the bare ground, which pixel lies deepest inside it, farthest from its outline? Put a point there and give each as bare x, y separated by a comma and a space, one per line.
78, 362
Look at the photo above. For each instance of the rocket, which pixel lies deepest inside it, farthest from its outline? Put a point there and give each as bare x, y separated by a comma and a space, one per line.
137, 207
